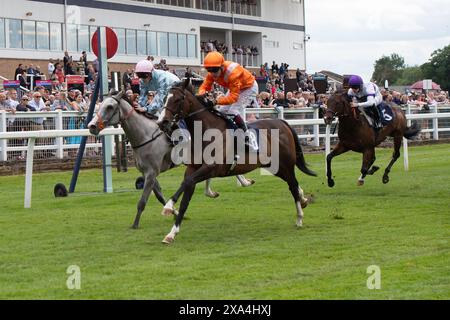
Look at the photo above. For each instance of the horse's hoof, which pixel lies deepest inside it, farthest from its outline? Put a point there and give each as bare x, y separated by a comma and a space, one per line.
247, 183
373, 170
385, 179
167, 212
134, 226
331, 183
212, 194
304, 204
168, 240
360, 183
299, 225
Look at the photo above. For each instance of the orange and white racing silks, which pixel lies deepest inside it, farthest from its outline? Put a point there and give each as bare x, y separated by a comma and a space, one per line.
234, 77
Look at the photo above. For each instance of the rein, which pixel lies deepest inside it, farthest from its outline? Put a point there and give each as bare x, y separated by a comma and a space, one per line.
179, 115
128, 115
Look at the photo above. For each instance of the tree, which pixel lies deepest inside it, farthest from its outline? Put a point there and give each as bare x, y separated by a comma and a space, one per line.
410, 75
438, 68
388, 68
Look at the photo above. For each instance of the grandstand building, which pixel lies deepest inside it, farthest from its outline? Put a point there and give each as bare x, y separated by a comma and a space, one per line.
176, 30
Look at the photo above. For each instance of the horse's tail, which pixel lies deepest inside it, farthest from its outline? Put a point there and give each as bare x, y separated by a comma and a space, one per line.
300, 159
412, 131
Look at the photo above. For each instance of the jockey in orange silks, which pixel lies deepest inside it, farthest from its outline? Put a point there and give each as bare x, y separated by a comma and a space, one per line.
241, 84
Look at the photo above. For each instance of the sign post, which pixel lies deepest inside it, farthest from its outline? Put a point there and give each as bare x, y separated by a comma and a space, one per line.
104, 45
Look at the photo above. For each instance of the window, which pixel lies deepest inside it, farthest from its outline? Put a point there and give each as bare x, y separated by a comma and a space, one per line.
182, 46
192, 46
42, 36
15, 33
131, 41
2, 33
163, 44
173, 45
152, 43
83, 38
272, 44
141, 42
72, 44
55, 37
121, 38
29, 34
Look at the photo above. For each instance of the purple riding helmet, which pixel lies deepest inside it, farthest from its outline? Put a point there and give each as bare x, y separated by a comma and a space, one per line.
355, 82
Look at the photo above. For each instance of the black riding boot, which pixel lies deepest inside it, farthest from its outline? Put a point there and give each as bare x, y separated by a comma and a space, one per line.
376, 117
240, 123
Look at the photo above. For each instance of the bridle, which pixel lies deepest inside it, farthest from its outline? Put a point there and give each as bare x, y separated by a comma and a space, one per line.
101, 123
178, 113
342, 114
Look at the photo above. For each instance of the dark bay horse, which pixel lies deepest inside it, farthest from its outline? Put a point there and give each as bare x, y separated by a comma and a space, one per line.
183, 104
357, 135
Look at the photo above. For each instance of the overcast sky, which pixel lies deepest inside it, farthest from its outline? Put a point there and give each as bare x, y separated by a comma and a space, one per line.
347, 36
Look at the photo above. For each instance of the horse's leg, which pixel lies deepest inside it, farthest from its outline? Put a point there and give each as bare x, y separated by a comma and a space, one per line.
208, 191
158, 192
288, 175
159, 195
243, 181
395, 156
368, 159
339, 149
148, 186
188, 185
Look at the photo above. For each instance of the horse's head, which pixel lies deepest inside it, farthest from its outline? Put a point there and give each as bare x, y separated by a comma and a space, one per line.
338, 105
177, 106
107, 115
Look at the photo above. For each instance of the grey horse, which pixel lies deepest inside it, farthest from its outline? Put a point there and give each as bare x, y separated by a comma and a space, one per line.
151, 147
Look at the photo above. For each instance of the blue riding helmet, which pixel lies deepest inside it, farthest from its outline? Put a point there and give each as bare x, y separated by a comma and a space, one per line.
355, 81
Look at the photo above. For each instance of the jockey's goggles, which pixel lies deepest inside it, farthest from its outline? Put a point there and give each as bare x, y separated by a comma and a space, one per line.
213, 69
143, 75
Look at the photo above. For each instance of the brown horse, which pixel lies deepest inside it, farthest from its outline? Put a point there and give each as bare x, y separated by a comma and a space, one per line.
356, 134
182, 104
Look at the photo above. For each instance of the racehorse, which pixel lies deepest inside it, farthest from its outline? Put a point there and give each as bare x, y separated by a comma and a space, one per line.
356, 134
182, 104
151, 147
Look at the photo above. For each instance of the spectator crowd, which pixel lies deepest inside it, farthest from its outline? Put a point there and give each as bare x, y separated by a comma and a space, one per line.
60, 97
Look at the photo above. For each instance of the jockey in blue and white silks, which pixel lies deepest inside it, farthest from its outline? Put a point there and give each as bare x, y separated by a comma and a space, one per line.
368, 97
158, 81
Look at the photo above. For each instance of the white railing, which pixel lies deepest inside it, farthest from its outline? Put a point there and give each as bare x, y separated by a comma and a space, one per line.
32, 76
32, 136
53, 120
246, 60
309, 126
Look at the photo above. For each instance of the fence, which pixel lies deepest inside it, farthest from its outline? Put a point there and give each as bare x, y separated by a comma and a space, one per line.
57, 135
306, 121
246, 60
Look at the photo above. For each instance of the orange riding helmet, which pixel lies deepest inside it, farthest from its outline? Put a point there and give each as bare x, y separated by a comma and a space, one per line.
213, 60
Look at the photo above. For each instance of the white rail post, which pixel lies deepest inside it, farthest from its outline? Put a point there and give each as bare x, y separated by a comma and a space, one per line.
316, 128
436, 124
327, 144
280, 111
59, 140
3, 142
107, 163
29, 173
405, 144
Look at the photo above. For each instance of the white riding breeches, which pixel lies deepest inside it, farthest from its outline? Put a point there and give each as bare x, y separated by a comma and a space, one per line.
247, 98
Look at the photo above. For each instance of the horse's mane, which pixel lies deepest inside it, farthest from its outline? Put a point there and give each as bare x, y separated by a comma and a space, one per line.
188, 85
